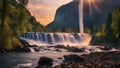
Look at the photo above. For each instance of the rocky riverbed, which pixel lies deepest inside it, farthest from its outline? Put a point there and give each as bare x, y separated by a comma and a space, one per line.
93, 60
61, 57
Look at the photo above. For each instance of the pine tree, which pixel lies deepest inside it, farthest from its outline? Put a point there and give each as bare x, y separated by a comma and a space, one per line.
116, 24
3, 13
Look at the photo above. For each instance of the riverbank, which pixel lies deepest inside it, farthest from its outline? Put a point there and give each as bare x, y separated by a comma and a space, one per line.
96, 60
93, 60
61, 56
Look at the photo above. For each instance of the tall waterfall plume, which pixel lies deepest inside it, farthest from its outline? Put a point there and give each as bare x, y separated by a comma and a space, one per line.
81, 28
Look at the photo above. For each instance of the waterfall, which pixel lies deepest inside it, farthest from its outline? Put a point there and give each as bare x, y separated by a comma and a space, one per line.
38, 38
81, 28
52, 38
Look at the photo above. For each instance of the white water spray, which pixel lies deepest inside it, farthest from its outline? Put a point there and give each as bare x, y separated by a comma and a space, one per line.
81, 28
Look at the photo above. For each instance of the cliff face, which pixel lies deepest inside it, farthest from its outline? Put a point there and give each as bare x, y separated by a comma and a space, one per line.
67, 15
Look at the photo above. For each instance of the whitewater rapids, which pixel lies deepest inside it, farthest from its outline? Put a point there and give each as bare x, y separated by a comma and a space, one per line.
71, 39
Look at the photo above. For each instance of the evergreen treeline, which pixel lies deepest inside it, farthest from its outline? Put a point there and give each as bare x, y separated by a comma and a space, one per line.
15, 20
109, 32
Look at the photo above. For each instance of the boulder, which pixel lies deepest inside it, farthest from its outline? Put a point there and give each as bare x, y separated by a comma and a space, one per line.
45, 61
24, 42
76, 49
60, 46
73, 58
26, 49
21, 49
107, 48
37, 49
2, 50
42, 67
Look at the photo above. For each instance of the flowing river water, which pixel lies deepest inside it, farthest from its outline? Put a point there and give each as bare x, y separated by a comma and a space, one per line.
30, 60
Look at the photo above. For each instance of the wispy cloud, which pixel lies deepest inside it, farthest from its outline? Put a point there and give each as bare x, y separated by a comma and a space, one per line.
44, 10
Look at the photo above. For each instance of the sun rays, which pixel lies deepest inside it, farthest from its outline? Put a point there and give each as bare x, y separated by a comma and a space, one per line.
92, 5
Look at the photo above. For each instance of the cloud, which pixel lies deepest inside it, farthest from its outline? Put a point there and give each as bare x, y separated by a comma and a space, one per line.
44, 10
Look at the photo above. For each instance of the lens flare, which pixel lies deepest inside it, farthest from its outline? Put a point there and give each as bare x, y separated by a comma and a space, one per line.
93, 4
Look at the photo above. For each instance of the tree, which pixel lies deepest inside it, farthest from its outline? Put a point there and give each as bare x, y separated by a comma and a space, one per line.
3, 13
23, 2
108, 29
108, 24
87, 30
113, 26
102, 29
13, 27
116, 24
22, 16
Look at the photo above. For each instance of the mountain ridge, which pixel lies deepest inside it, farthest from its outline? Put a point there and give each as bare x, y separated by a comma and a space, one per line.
67, 16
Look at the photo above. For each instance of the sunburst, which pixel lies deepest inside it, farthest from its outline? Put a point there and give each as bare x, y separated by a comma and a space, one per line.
93, 4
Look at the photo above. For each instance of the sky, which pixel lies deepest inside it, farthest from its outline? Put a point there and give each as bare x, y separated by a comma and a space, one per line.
44, 10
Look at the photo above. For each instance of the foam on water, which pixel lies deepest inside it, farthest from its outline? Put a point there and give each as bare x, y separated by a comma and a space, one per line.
72, 39
32, 50
23, 65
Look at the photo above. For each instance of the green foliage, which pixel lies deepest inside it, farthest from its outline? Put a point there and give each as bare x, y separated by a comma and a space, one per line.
102, 29
52, 29
23, 2
64, 29
37, 27
116, 22
5, 37
17, 21
87, 30
115, 26
110, 33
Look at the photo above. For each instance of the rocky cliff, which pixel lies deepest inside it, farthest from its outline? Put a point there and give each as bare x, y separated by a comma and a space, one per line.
67, 15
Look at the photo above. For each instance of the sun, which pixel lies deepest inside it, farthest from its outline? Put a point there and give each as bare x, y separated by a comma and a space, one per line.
92, 5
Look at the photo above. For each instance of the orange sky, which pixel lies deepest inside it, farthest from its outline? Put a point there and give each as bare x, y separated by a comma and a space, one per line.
44, 10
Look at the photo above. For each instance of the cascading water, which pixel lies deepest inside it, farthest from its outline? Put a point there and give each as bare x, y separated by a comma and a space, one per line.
81, 17
84, 37
74, 39
38, 38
